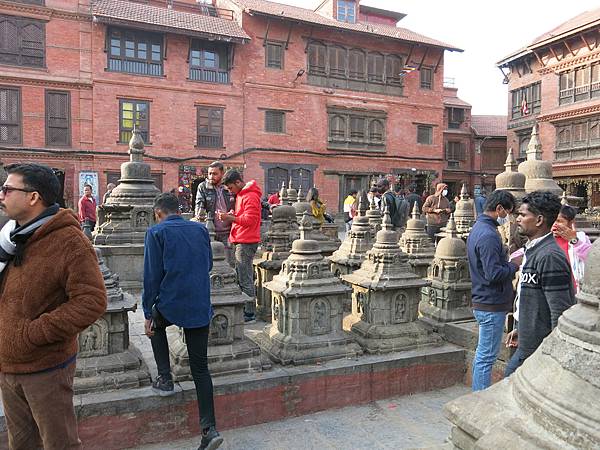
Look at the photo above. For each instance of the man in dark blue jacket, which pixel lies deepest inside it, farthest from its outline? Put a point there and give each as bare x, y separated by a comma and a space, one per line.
177, 262
491, 275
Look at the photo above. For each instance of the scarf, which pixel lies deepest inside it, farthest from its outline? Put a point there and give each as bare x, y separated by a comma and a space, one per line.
19, 235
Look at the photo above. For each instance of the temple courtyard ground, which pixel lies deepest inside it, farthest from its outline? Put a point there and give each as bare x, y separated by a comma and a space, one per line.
408, 422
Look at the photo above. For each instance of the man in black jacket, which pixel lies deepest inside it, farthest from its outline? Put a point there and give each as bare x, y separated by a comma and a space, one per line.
491, 275
398, 208
212, 197
545, 289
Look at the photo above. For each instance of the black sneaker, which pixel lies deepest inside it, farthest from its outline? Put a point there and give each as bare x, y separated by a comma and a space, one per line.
211, 440
249, 318
163, 386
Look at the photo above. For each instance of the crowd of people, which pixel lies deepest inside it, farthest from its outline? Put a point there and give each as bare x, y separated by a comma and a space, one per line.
65, 293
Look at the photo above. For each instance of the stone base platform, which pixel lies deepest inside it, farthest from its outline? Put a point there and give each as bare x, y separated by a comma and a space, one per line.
133, 417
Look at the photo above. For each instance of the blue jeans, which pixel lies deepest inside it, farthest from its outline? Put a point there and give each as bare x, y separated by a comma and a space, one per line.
491, 326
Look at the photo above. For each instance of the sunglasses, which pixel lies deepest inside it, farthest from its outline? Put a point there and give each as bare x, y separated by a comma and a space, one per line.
6, 189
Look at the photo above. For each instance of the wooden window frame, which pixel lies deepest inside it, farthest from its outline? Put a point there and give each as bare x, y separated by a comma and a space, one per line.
135, 65
456, 151
211, 138
345, 6
429, 130
533, 94
351, 138
569, 91
16, 56
274, 117
48, 126
220, 72
135, 120
18, 123
274, 64
453, 121
425, 83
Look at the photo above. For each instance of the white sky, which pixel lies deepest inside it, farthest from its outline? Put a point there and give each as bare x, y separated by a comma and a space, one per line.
486, 30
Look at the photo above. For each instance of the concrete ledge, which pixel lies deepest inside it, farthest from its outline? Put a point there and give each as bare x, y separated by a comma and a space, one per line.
127, 418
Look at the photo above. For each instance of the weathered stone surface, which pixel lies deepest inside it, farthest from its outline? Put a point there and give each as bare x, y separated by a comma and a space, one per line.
464, 214
375, 218
307, 308
511, 179
538, 172
229, 351
283, 231
357, 243
385, 298
327, 244
127, 215
551, 401
106, 360
416, 244
448, 299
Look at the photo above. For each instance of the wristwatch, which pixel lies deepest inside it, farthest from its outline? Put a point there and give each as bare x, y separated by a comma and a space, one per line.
574, 241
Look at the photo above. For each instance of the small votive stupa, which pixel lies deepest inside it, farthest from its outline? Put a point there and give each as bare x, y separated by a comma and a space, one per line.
385, 298
307, 304
357, 243
448, 299
464, 214
229, 351
416, 244
538, 172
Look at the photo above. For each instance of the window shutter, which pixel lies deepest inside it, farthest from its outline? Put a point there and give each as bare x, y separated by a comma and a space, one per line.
10, 116
209, 127
463, 152
58, 118
274, 55
274, 121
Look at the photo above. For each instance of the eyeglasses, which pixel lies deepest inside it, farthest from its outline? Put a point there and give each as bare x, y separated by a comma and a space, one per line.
6, 189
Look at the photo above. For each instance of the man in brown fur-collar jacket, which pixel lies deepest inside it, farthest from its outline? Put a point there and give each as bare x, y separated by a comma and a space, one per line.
51, 290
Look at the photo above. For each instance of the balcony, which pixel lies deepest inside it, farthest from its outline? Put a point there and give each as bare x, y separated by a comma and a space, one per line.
209, 75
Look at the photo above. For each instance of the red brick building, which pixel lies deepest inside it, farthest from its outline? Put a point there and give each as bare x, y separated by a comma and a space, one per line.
555, 82
327, 97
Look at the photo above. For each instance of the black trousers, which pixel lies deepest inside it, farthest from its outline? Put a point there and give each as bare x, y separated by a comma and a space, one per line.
196, 340
515, 362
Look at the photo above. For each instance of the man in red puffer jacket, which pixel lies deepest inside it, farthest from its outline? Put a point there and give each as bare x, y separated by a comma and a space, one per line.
245, 232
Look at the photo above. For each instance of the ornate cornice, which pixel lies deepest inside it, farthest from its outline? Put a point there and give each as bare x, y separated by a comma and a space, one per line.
572, 113
43, 12
57, 83
564, 65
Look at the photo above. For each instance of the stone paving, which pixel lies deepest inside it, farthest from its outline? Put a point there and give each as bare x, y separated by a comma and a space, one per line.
410, 422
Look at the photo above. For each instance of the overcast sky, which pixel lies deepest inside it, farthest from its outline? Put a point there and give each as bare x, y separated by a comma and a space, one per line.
486, 31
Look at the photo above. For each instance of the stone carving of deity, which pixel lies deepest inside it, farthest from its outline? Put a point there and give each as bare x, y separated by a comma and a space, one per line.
400, 305
141, 220
219, 326
216, 281
320, 317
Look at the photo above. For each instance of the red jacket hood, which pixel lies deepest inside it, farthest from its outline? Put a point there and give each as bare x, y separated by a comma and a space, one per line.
251, 187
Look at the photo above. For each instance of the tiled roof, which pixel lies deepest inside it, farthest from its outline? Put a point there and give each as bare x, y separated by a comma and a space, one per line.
578, 23
309, 16
455, 101
489, 125
153, 17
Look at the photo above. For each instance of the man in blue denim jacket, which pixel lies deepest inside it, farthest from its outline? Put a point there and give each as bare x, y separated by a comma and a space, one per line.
491, 276
177, 263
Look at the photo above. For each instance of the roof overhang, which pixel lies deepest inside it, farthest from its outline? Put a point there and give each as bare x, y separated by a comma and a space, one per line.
382, 12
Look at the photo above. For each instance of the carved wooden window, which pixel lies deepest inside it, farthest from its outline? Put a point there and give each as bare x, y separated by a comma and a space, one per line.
456, 116
275, 121
580, 133
210, 127
58, 118
22, 41
134, 113
578, 140
209, 62
595, 131
426, 78
564, 136
425, 134
375, 67
455, 151
274, 55
134, 51
317, 58
349, 129
356, 64
393, 70
526, 100
337, 61
10, 115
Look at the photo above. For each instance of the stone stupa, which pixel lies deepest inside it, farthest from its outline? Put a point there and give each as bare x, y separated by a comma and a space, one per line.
357, 243
538, 172
283, 231
106, 360
229, 351
511, 179
551, 401
464, 214
448, 299
385, 298
128, 213
375, 218
416, 244
307, 308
